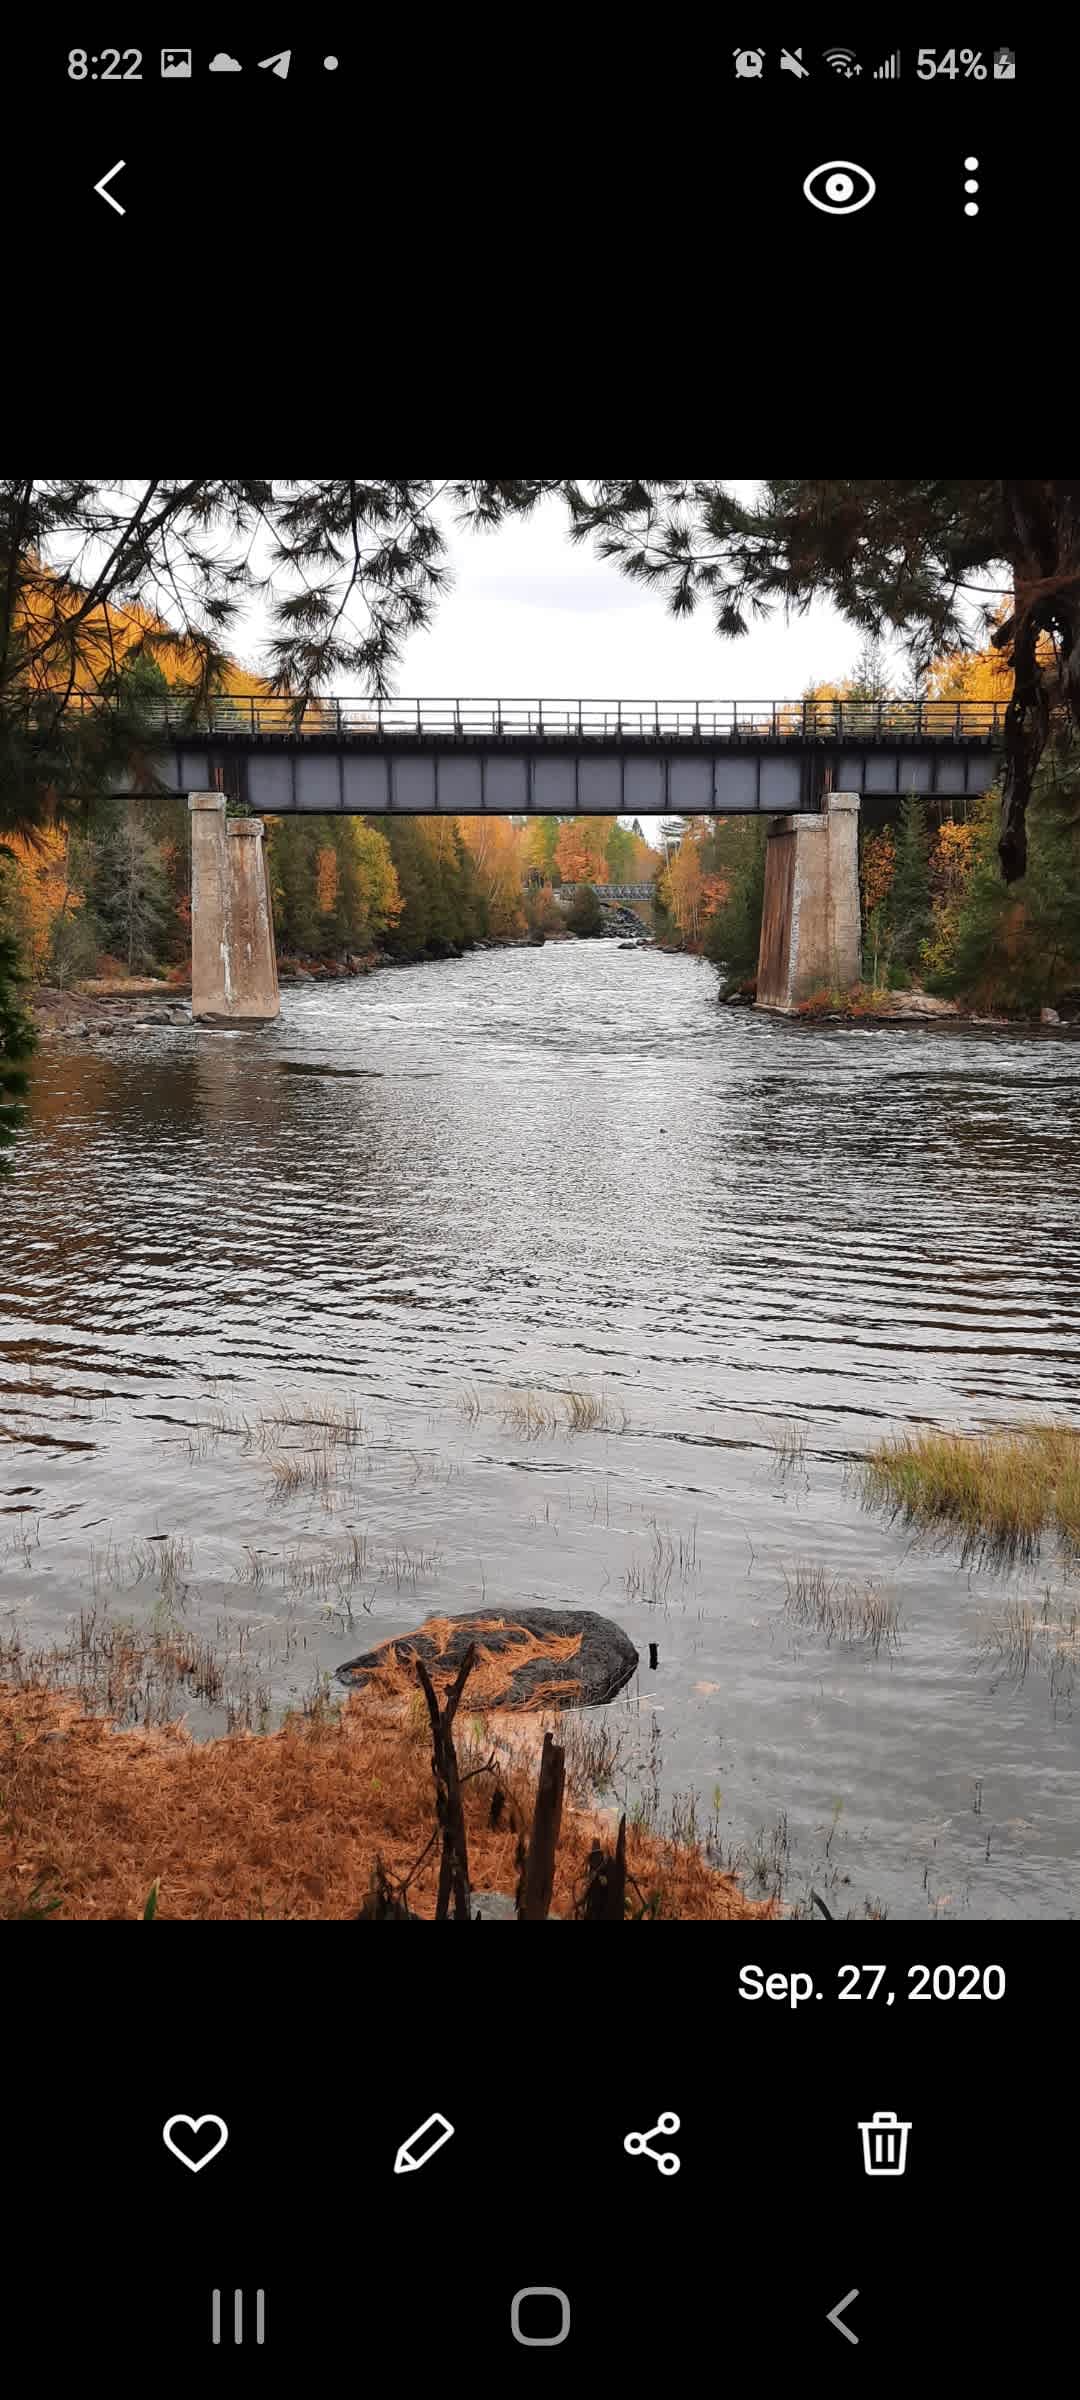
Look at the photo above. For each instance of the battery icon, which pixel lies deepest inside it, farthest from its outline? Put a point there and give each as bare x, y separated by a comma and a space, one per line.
1004, 66
418, 2147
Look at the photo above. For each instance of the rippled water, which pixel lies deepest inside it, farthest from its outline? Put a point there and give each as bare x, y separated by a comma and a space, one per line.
538, 1169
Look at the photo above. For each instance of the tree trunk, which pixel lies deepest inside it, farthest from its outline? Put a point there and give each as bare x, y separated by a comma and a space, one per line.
1046, 600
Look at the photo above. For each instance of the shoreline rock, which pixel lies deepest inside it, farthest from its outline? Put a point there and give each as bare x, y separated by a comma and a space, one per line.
572, 1657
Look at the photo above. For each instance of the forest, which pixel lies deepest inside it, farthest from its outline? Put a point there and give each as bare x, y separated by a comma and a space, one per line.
110, 895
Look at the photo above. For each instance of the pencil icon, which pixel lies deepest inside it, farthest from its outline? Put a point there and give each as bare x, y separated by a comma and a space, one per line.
418, 2147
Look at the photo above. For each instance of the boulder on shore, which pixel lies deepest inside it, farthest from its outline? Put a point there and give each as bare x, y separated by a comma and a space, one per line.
526, 1657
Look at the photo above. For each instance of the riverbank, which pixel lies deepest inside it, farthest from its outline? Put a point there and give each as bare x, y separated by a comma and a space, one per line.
290, 1824
865, 1006
101, 1008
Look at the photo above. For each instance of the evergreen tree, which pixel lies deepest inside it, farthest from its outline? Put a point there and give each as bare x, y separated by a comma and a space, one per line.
129, 889
409, 937
585, 915
909, 895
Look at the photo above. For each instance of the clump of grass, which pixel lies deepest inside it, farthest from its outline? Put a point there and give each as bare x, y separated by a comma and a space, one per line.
593, 1748
591, 1412
311, 1471
338, 1421
568, 1410
1047, 1638
997, 1492
408, 1566
787, 1442
165, 1558
648, 1579
843, 1612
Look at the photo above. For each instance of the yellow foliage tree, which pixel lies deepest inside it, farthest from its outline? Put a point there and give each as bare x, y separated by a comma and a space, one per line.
878, 869
326, 881
376, 874
38, 891
580, 849
499, 853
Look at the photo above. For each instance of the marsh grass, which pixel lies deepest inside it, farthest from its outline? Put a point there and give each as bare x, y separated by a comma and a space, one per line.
134, 1674
997, 1493
1046, 1638
147, 1671
842, 1612
648, 1579
337, 1423
535, 1416
593, 1747
165, 1559
787, 1442
311, 1471
339, 1567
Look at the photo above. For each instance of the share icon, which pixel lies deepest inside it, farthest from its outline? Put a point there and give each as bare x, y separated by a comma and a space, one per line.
639, 2145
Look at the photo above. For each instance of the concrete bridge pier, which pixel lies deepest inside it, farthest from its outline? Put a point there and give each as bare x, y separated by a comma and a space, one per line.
233, 965
811, 930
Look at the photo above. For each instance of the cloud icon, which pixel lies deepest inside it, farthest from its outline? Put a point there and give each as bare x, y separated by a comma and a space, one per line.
224, 65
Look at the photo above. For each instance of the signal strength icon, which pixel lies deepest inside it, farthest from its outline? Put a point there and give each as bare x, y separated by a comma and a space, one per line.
889, 69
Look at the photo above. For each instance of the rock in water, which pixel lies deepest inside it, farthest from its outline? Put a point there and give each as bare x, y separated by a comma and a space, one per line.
526, 1657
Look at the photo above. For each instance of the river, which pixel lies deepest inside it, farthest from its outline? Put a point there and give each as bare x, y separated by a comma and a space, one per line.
285, 1318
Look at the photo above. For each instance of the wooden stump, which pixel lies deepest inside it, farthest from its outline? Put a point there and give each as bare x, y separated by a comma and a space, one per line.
604, 1896
538, 1874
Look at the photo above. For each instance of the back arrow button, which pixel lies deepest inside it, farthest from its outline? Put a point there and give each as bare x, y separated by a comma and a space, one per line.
836, 2313
100, 187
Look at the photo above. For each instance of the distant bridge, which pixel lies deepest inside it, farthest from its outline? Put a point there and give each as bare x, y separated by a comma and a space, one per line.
566, 893
562, 757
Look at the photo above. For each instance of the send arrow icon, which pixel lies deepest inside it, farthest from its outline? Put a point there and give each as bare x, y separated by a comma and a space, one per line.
278, 63
100, 187
836, 2313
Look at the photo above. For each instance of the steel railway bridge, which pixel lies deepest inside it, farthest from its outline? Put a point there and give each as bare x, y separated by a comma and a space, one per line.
561, 757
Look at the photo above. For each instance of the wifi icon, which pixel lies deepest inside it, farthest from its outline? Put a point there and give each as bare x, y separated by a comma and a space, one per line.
842, 62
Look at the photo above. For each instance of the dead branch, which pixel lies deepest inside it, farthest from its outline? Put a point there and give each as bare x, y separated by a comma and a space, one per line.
382, 1900
454, 1864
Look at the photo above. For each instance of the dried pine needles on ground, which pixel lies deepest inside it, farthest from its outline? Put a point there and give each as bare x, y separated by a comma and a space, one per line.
291, 1824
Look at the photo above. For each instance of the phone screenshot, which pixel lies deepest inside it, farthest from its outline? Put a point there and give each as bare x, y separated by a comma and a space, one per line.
539, 1279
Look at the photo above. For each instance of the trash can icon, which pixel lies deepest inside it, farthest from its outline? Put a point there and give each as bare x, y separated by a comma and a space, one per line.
884, 2141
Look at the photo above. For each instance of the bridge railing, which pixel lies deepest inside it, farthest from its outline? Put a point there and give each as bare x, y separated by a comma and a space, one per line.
266, 716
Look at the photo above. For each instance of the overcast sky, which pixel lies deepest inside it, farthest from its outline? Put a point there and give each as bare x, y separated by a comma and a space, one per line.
532, 616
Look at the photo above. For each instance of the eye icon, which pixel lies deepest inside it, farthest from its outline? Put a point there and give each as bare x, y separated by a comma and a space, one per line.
839, 187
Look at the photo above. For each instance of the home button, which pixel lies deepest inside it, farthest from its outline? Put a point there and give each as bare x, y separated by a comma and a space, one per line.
540, 2316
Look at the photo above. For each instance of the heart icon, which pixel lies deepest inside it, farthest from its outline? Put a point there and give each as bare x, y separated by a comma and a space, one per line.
194, 2126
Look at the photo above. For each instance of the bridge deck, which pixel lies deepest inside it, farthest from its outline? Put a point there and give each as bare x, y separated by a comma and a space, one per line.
561, 757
